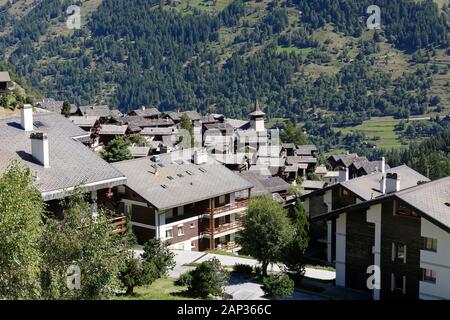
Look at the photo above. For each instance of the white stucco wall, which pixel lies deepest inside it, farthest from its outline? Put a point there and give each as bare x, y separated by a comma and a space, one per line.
438, 261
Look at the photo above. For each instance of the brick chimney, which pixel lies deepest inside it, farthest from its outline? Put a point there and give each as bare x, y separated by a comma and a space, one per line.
39, 148
27, 117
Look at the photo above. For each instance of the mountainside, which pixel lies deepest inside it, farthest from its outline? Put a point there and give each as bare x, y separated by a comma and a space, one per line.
298, 57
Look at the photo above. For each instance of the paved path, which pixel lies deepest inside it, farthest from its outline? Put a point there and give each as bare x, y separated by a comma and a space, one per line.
186, 257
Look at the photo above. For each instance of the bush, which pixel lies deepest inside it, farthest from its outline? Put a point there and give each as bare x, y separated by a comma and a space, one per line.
184, 279
137, 272
278, 286
258, 270
242, 268
158, 253
209, 278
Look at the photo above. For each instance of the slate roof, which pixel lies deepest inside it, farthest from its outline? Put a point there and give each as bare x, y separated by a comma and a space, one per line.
141, 122
112, 129
71, 163
176, 116
432, 198
54, 105
159, 131
137, 151
264, 185
196, 183
312, 184
84, 121
236, 123
305, 150
300, 159
147, 112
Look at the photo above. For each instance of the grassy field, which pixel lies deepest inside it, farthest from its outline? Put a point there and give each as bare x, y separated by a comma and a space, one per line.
381, 128
161, 289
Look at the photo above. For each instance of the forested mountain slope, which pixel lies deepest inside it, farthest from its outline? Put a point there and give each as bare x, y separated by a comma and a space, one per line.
295, 56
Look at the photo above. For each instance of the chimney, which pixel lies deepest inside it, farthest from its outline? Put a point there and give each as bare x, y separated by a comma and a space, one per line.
392, 183
343, 174
27, 117
382, 165
143, 108
39, 148
200, 157
383, 184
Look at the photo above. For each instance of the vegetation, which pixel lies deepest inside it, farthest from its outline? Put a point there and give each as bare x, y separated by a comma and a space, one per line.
137, 272
266, 230
159, 255
66, 109
292, 134
208, 279
117, 150
185, 279
21, 209
244, 269
278, 286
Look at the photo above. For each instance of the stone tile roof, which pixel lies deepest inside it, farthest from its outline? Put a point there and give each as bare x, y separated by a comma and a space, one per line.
71, 163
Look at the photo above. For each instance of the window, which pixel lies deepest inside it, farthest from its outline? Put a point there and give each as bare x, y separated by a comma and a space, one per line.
169, 214
398, 283
399, 252
192, 226
180, 211
430, 244
222, 199
402, 210
128, 207
169, 233
429, 275
181, 230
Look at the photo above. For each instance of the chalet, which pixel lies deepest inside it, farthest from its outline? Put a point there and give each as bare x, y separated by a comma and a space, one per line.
404, 231
87, 123
347, 192
288, 149
102, 111
139, 151
176, 116
52, 148
109, 132
308, 150
233, 161
342, 160
5, 82
184, 197
137, 123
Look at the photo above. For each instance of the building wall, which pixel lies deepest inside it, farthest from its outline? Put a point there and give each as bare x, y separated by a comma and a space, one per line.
438, 261
341, 226
405, 230
359, 244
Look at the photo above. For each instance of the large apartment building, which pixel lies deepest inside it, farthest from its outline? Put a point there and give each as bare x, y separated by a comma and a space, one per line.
405, 232
186, 198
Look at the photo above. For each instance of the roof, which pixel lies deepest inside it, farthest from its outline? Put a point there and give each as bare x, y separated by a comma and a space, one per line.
432, 199
288, 145
113, 129
305, 150
147, 112
312, 184
54, 105
84, 121
68, 157
195, 183
231, 158
99, 111
137, 151
141, 122
4, 76
159, 131
300, 159
269, 151
236, 123
193, 115
368, 187
322, 169
264, 185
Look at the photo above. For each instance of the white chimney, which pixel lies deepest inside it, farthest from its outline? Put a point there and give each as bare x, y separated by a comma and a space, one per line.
343, 174
27, 117
39, 148
200, 157
382, 165
392, 183
383, 184
143, 108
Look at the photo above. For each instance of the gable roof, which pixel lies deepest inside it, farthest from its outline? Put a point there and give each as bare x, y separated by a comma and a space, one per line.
196, 183
112, 129
71, 163
147, 112
176, 116
99, 111
264, 185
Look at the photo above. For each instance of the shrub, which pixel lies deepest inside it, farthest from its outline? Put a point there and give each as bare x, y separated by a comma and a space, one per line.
242, 268
258, 270
184, 279
278, 286
137, 272
209, 278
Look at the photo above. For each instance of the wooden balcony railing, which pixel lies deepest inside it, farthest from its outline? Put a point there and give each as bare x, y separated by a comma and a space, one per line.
225, 227
119, 225
229, 207
230, 246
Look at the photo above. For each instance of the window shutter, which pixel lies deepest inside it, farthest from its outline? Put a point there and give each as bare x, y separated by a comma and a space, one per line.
392, 282
393, 252
404, 284
404, 257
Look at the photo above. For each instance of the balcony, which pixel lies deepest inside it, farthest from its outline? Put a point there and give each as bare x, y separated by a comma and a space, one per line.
230, 226
119, 225
229, 247
229, 207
